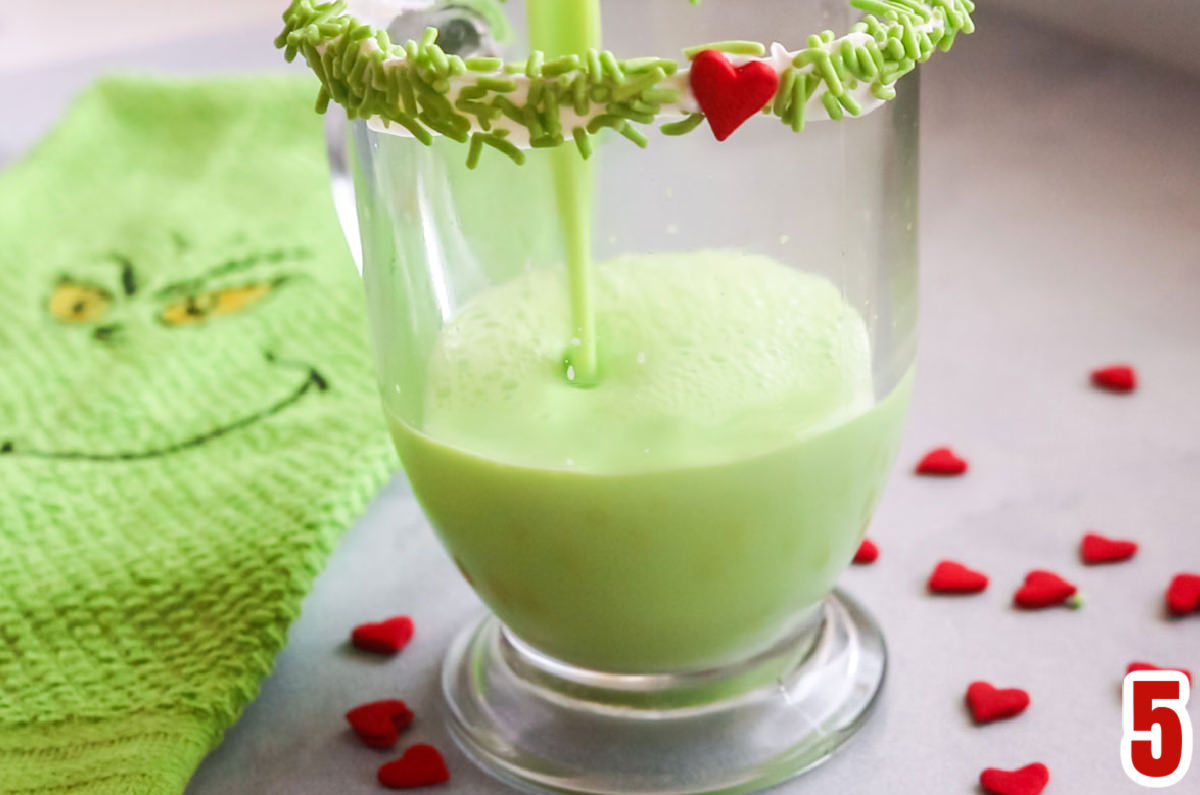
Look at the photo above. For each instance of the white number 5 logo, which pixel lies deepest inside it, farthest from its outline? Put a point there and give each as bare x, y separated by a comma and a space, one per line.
1156, 748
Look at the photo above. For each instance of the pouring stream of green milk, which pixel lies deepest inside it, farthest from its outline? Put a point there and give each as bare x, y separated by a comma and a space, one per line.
563, 27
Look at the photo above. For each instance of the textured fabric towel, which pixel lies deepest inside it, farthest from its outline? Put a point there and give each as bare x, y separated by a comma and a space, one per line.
188, 420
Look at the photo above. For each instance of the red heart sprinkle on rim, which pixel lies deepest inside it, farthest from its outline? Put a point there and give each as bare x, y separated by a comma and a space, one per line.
1183, 594
1029, 780
1098, 549
1044, 589
1115, 378
730, 95
952, 577
383, 637
379, 723
988, 703
419, 766
941, 461
1145, 666
868, 552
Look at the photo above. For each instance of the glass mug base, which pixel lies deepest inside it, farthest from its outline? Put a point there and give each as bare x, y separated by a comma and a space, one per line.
543, 726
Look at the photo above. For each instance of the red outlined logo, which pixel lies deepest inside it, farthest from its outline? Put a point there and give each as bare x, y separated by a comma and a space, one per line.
1156, 748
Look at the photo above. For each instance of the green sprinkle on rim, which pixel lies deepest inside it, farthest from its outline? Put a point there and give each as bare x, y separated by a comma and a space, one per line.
732, 47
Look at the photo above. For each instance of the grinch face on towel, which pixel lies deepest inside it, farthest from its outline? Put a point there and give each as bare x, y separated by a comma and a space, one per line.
211, 330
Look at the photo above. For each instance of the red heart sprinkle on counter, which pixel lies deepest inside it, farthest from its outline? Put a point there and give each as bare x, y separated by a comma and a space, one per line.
1145, 666
1044, 589
952, 577
868, 552
1029, 780
941, 461
379, 723
1183, 594
1115, 378
383, 637
988, 703
420, 766
730, 95
1098, 549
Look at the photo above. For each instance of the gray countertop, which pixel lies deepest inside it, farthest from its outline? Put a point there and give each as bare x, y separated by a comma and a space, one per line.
1061, 230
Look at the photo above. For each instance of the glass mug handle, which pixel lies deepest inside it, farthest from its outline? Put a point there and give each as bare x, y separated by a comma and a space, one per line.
464, 28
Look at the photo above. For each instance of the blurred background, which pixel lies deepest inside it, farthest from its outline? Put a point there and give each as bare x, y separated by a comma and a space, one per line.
1060, 231
53, 31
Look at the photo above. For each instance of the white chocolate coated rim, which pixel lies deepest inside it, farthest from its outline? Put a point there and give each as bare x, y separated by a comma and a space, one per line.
778, 58
417, 89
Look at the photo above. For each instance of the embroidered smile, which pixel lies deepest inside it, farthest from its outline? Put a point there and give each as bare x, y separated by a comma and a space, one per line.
312, 380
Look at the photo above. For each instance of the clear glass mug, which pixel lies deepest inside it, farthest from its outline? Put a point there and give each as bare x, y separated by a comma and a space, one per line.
658, 549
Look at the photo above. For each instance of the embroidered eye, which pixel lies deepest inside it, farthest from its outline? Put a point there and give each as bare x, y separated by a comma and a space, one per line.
72, 302
199, 307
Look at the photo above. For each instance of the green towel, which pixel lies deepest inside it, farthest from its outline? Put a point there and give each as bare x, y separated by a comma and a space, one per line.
188, 420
